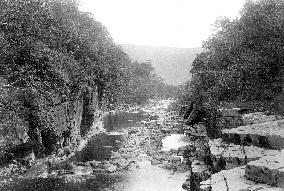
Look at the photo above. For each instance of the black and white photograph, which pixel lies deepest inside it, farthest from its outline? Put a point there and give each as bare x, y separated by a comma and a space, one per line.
141, 95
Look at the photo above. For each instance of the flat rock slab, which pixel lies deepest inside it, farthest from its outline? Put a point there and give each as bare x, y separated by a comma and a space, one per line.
228, 156
257, 117
229, 112
234, 180
269, 134
268, 170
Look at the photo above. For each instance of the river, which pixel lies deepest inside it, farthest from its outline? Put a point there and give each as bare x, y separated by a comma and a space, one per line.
122, 128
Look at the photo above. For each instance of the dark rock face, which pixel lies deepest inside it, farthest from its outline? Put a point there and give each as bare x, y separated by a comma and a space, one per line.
198, 156
54, 123
90, 103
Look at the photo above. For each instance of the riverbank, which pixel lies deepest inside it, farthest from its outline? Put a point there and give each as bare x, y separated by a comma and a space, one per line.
31, 168
141, 148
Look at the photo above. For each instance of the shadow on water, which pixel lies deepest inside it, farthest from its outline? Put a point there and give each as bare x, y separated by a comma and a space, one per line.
100, 147
150, 178
118, 121
85, 183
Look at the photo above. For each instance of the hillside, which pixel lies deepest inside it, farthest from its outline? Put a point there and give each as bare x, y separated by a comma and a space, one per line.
172, 64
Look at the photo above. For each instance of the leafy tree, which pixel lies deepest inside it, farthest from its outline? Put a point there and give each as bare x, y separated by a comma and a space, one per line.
54, 53
243, 60
54, 58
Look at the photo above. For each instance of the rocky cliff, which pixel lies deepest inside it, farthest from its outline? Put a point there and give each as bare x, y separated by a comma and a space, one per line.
45, 125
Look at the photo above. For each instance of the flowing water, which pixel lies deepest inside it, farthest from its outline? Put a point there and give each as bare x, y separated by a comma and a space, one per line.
116, 124
145, 178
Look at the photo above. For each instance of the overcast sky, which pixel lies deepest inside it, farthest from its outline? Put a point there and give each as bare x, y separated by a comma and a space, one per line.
175, 23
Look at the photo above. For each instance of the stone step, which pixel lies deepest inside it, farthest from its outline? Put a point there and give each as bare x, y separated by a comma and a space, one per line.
234, 180
232, 118
268, 170
228, 156
199, 172
269, 135
258, 117
229, 118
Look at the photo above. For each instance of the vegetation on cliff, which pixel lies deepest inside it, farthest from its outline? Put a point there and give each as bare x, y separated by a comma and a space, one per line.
243, 60
58, 65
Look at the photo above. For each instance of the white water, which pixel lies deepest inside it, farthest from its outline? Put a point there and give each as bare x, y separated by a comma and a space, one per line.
152, 178
174, 141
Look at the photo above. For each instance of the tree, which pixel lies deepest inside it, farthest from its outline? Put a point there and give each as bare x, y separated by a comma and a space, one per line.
243, 60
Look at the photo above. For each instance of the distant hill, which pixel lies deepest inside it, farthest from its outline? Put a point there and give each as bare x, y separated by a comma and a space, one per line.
172, 64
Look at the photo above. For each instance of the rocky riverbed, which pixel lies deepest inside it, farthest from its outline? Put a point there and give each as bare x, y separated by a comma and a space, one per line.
143, 155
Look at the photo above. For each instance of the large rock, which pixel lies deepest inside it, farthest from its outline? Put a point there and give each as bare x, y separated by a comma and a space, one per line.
268, 170
257, 117
234, 180
227, 119
37, 171
269, 134
110, 168
234, 112
63, 165
228, 156
122, 163
166, 130
82, 170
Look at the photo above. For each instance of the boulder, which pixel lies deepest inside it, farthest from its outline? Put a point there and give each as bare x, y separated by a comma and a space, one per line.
122, 163
37, 171
228, 156
268, 134
110, 168
268, 170
186, 185
166, 130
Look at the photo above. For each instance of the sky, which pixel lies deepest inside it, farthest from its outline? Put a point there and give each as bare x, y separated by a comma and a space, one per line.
171, 23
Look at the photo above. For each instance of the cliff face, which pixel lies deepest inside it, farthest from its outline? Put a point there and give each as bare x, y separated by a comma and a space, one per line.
48, 125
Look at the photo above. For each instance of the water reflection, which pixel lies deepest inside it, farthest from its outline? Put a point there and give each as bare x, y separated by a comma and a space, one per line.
117, 121
144, 178
99, 148
98, 182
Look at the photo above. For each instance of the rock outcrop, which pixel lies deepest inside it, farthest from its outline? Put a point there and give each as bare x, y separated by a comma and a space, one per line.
233, 180
51, 123
268, 170
268, 134
247, 157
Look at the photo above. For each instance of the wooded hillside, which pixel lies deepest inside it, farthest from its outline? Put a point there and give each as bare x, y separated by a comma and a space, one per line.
243, 60
58, 66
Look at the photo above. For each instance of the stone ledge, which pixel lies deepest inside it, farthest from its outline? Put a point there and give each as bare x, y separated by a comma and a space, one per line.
233, 180
269, 134
268, 170
228, 156
257, 117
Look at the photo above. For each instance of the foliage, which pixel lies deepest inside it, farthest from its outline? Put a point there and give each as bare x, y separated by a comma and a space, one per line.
50, 54
243, 60
144, 84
